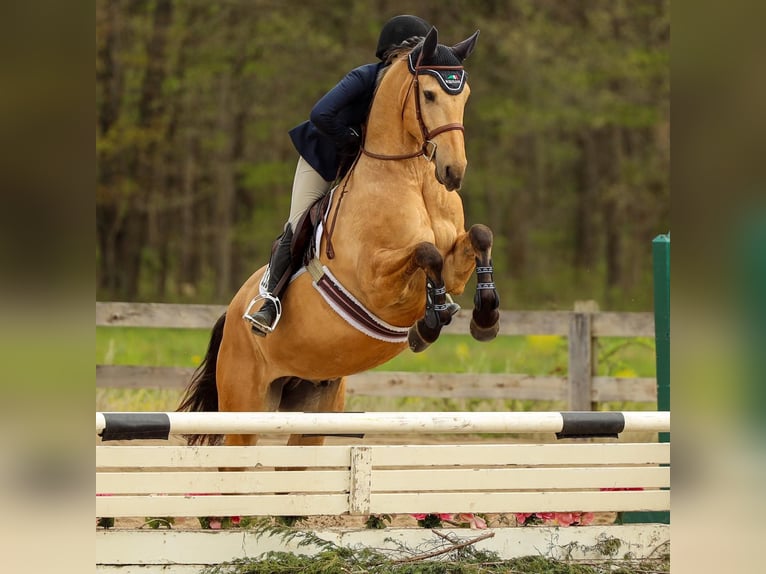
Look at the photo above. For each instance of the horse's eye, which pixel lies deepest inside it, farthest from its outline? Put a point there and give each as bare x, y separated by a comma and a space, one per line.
429, 95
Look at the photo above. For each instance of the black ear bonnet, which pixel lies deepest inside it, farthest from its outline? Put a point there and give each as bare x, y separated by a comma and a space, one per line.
452, 79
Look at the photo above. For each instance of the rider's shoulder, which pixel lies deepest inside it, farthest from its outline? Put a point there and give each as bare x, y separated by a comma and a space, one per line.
366, 72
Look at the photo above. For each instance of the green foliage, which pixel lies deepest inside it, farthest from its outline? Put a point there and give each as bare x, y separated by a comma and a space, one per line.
335, 559
377, 521
160, 522
105, 522
567, 135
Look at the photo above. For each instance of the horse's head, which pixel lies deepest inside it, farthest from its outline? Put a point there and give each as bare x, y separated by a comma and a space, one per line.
424, 92
440, 96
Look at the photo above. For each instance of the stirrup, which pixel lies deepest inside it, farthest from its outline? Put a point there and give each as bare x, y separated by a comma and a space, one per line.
260, 327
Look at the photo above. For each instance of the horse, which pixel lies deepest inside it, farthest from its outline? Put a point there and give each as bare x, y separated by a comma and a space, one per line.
392, 246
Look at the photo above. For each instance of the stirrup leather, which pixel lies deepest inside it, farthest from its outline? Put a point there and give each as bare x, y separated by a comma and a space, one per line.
248, 316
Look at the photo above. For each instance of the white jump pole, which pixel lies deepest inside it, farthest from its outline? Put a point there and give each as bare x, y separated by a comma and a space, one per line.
568, 424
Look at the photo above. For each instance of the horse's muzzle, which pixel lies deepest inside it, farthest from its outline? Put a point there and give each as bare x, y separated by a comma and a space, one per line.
452, 178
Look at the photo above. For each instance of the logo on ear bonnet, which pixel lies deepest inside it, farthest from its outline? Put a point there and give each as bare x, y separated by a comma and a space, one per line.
451, 78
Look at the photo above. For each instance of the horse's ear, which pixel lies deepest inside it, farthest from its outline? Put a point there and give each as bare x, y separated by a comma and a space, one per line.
464, 48
430, 43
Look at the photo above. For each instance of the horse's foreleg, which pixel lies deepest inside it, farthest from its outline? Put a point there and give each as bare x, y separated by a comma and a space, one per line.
427, 257
485, 322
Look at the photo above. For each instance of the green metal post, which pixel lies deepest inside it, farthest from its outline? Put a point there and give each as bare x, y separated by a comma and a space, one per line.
661, 260
661, 257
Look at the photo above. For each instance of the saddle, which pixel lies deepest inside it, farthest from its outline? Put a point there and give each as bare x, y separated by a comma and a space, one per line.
302, 246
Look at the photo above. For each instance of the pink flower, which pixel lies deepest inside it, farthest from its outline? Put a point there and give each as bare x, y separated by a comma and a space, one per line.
586, 518
215, 524
444, 516
472, 520
521, 517
546, 516
564, 518
418, 516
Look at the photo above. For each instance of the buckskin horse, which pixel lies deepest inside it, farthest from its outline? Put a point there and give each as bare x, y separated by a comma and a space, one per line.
392, 246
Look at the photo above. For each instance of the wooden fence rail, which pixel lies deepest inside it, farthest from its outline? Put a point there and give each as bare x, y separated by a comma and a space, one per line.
580, 389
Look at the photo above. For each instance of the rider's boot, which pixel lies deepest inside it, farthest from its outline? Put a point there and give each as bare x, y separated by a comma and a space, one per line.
279, 270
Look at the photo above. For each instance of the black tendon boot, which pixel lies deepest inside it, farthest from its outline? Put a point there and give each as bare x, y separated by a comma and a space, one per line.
280, 269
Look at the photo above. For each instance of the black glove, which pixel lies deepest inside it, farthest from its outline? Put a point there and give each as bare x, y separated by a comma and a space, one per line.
348, 145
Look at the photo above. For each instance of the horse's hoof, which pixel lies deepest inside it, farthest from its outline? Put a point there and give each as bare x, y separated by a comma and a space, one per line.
484, 333
417, 344
453, 308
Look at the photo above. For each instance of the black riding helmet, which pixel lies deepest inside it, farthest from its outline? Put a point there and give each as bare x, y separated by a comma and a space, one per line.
398, 29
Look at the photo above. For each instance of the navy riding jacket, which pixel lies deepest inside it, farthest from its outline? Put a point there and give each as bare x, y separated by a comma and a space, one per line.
345, 106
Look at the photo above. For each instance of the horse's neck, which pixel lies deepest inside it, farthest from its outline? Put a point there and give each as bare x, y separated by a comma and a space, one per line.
386, 132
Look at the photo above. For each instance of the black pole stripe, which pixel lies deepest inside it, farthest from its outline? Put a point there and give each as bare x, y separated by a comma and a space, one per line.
587, 424
134, 426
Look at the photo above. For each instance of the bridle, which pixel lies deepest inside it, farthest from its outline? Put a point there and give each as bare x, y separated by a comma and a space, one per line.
428, 149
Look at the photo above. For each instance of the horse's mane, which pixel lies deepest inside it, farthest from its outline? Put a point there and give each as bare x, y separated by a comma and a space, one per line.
393, 53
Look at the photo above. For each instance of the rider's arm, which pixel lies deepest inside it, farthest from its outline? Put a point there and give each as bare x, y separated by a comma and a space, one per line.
327, 115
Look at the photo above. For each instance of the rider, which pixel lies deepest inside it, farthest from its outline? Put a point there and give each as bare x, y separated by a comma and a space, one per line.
328, 144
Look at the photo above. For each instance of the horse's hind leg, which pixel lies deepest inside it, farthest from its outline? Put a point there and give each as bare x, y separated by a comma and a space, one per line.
317, 397
485, 321
307, 396
242, 382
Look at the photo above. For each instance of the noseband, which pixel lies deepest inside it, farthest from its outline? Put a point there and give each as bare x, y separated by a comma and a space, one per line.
428, 149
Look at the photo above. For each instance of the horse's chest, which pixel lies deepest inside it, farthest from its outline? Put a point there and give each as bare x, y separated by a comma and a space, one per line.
445, 233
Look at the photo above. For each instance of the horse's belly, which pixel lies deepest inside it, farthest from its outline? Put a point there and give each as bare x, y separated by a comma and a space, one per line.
313, 342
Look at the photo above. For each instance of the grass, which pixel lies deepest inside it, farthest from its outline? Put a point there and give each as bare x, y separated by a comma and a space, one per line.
535, 355
333, 559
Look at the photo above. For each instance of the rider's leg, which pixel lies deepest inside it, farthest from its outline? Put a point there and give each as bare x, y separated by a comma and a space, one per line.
308, 186
279, 268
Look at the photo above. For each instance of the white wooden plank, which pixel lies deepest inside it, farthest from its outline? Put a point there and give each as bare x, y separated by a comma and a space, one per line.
494, 479
221, 456
521, 454
221, 505
383, 455
222, 482
572, 501
361, 479
117, 550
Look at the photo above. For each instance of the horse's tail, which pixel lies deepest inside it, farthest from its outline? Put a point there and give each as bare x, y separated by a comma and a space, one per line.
202, 393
